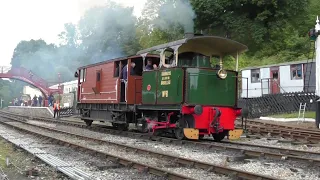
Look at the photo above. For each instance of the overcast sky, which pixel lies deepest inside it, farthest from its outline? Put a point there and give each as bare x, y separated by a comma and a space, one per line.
35, 19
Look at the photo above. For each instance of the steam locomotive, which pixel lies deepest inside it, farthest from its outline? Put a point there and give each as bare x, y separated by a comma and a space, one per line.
188, 93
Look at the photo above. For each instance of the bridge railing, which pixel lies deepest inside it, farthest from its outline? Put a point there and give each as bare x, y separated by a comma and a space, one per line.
22, 72
4, 69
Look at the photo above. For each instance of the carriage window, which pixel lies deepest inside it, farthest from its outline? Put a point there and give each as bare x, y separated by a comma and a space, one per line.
296, 71
116, 69
84, 75
255, 75
98, 76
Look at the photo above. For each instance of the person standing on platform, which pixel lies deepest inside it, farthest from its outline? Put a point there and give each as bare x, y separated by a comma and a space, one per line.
35, 100
40, 100
50, 99
56, 109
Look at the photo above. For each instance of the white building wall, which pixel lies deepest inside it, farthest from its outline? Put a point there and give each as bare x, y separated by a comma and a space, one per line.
254, 89
286, 83
32, 91
68, 86
265, 75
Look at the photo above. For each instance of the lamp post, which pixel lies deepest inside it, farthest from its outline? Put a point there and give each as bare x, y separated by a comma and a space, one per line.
59, 77
314, 35
1, 103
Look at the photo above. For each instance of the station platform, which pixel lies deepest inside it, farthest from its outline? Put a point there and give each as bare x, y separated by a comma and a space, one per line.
31, 111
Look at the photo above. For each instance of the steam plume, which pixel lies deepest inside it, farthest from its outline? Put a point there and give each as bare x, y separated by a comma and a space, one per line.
176, 12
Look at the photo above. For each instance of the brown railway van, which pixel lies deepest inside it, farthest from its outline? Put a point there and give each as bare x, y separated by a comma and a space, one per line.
101, 83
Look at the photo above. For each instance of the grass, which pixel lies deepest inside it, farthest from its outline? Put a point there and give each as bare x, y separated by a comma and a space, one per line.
5, 150
308, 114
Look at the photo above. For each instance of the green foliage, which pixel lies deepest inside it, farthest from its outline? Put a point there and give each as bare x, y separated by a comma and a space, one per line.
274, 31
10, 90
308, 114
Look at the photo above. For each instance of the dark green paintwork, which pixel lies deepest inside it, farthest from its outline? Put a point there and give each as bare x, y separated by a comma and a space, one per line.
174, 89
206, 88
149, 78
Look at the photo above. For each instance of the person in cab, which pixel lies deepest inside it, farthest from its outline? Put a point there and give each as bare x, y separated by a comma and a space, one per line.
150, 66
124, 73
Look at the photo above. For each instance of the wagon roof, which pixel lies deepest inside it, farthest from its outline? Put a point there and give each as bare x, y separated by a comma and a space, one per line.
116, 59
279, 64
217, 45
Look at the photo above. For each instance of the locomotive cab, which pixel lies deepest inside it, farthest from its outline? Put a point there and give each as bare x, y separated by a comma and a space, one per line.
199, 96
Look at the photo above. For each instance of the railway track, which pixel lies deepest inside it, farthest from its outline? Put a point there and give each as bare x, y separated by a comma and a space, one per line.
155, 170
276, 153
270, 124
302, 135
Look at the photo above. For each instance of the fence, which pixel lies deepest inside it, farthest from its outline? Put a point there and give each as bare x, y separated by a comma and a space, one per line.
281, 103
66, 111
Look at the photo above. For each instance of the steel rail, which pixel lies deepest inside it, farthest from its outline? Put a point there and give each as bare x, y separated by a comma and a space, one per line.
270, 124
281, 150
179, 160
295, 135
170, 140
293, 154
287, 154
111, 157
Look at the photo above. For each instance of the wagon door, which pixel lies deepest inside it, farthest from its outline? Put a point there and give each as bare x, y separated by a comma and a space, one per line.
98, 82
275, 80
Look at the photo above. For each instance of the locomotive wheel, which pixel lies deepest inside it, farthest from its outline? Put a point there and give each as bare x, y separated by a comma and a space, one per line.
114, 125
218, 137
144, 128
178, 132
88, 122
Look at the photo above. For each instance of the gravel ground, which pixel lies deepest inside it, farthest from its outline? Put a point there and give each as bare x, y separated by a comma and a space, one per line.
154, 145
115, 150
87, 163
219, 158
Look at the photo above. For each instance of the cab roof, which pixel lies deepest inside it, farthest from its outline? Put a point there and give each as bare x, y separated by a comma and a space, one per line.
118, 59
207, 45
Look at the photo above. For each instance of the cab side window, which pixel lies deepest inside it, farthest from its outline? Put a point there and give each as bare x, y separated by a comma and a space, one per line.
116, 69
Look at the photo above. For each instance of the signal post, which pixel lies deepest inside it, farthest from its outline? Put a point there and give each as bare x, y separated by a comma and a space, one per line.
314, 35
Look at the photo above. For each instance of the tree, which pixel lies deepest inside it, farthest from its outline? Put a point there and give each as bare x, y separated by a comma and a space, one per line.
70, 36
248, 21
